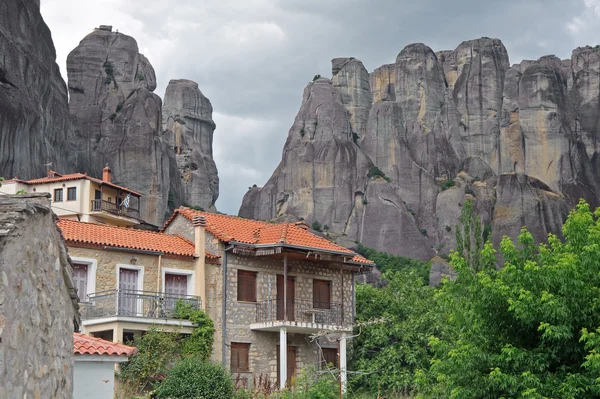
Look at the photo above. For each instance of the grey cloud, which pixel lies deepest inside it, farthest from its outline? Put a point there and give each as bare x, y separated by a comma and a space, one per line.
252, 58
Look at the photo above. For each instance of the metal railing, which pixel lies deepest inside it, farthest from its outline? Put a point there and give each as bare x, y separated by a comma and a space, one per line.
130, 303
99, 205
303, 311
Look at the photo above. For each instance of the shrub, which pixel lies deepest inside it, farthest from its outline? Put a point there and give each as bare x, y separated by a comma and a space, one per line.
448, 229
447, 184
194, 378
316, 226
374, 171
410, 211
470, 191
487, 232
365, 202
423, 231
302, 132
355, 138
21, 192
140, 76
325, 228
112, 116
316, 77
119, 107
199, 343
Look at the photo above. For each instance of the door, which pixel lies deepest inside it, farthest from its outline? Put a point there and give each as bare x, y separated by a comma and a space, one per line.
80, 280
128, 284
291, 364
98, 194
175, 287
291, 297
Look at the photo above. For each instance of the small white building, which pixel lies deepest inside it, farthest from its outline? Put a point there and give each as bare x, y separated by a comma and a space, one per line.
94, 368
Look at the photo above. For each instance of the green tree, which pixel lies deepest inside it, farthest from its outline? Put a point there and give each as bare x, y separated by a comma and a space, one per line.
469, 236
195, 378
528, 330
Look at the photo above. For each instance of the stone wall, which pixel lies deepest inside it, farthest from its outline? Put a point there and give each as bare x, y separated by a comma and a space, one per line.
38, 304
106, 272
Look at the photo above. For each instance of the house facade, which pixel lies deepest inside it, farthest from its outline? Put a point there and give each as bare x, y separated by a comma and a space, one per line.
277, 289
77, 196
130, 279
94, 366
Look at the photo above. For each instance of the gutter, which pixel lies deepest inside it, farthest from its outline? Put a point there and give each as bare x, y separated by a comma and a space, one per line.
134, 251
224, 309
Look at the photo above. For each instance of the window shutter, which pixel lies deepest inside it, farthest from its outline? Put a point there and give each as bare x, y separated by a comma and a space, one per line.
321, 294
240, 357
246, 286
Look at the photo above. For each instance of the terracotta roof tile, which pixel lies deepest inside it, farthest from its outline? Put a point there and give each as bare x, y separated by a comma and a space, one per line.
122, 237
86, 345
248, 231
74, 176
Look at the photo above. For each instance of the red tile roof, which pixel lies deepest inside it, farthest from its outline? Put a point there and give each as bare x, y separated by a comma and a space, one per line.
86, 345
122, 237
74, 176
232, 228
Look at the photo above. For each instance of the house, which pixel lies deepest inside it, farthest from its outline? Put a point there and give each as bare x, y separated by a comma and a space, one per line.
276, 285
77, 196
94, 366
38, 301
130, 279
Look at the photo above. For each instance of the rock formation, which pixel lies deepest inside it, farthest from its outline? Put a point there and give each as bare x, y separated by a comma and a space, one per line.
379, 161
188, 129
118, 120
34, 114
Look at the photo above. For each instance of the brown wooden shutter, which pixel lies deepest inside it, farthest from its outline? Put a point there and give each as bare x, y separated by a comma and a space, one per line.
321, 294
240, 354
246, 286
330, 355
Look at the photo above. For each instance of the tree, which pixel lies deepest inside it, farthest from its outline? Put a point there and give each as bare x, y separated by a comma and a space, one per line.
529, 330
469, 236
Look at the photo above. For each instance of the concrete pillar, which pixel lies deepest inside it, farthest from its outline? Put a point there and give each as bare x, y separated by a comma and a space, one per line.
118, 333
343, 370
282, 357
199, 223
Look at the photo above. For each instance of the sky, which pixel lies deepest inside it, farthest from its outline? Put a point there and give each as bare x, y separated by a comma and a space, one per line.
253, 58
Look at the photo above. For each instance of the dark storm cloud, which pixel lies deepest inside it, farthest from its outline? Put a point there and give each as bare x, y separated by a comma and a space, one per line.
252, 58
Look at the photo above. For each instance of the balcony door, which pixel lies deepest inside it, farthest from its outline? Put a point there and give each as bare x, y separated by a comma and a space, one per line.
291, 364
176, 286
291, 297
128, 285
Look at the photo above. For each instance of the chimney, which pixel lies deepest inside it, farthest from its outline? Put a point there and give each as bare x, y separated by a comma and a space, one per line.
199, 235
107, 174
199, 223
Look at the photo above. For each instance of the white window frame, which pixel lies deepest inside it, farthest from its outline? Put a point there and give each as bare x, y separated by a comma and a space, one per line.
191, 286
140, 283
92, 265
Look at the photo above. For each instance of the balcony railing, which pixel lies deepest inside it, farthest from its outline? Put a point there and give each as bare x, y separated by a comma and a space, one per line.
134, 304
303, 311
99, 205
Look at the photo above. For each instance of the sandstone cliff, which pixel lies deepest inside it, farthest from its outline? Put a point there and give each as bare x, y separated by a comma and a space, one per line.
34, 114
433, 130
188, 130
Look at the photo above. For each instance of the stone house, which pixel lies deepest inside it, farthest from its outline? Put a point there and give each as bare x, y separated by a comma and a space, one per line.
94, 366
77, 196
130, 279
38, 302
276, 285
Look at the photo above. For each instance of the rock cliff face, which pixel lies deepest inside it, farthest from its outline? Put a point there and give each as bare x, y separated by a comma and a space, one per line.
389, 158
117, 118
188, 129
34, 114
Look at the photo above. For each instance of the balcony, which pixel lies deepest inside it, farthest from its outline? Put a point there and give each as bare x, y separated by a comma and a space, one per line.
111, 208
303, 316
133, 304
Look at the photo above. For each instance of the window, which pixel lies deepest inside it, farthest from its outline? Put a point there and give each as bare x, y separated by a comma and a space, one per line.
58, 195
80, 279
321, 294
330, 356
246, 290
176, 284
240, 354
71, 193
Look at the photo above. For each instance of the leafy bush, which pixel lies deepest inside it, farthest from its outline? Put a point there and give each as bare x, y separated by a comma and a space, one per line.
316, 226
470, 191
395, 263
447, 184
355, 138
365, 201
200, 342
140, 76
119, 107
374, 171
316, 77
423, 231
302, 132
112, 116
311, 385
194, 378
109, 70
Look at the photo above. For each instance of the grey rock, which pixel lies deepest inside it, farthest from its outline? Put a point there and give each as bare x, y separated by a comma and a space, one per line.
188, 129
439, 270
351, 79
118, 120
34, 114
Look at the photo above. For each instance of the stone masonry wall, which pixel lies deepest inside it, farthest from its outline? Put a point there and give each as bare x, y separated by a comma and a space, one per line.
38, 303
263, 344
106, 272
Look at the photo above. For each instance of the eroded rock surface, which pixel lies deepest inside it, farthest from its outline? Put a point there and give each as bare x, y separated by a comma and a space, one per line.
188, 129
34, 113
441, 129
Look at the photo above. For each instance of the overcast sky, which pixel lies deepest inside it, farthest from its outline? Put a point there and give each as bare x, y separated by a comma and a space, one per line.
252, 58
